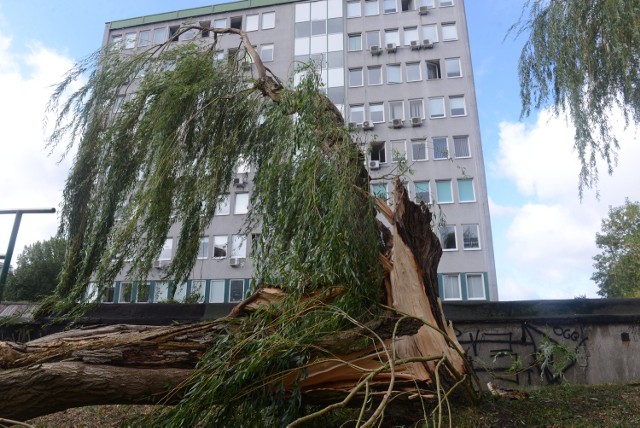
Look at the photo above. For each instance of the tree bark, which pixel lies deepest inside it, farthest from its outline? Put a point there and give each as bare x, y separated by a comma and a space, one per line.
149, 364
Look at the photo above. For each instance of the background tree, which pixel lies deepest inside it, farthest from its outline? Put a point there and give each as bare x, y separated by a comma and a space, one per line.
618, 265
37, 270
581, 57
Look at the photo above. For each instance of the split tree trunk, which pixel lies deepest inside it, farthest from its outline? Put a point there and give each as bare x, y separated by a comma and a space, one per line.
148, 364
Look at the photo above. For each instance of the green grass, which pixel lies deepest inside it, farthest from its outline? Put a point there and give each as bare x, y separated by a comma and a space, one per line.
553, 406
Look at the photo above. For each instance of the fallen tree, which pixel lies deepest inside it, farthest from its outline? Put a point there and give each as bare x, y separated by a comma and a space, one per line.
346, 311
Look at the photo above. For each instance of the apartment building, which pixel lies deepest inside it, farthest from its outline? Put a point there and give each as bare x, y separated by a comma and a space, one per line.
401, 72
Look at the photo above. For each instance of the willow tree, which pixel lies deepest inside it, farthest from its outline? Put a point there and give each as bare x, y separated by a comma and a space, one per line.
344, 312
582, 58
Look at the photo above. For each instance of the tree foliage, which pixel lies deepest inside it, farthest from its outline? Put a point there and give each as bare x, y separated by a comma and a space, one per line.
37, 270
618, 265
581, 57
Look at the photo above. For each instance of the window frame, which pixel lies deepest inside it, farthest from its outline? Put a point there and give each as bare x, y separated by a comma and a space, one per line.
239, 207
395, 159
444, 233
471, 187
168, 246
451, 108
415, 192
425, 147
213, 284
206, 248
455, 146
391, 105
386, 11
447, 61
444, 286
268, 20
413, 101
355, 72
265, 47
356, 108
351, 9
354, 37
477, 237
441, 102
484, 293
448, 25
440, 201
394, 67
381, 105
407, 68
378, 68
378, 147
217, 241
371, 2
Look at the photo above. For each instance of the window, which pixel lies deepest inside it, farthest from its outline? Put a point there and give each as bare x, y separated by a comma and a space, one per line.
266, 52
408, 5
236, 22
224, 206
451, 287
108, 294
161, 292
416, 108
125, 292
355, 77
396, 110
413, 71
378, 153
144, 38
371, 7
445, 3
440, 149
167, 250
398, 151
318, 28
436, 107
173, 33
428, 3
394, 74
241, 205
130, 40
461, 147
430, 32
392, 36
419, 150
252, 23
239, 246
220, 23
218, 56
449, 31
465, 190
475, 287
268, 20
444, 195
373, 38
356, 114
374, 75
410, 35
220, 243
355, 42
180, 292
470, 237
302, 29
390, 6
376, 112
159, 35
422, 192
189, 34
203, 249
236, 290
448, 237
216, 291
379, 190
433, 69
452, 66
143, 292
198, 287
354, 9
457, 106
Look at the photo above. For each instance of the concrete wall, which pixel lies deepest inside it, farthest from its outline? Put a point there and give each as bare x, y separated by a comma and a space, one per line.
603, 335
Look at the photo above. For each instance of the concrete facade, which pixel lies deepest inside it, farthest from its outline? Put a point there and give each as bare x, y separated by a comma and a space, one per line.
427, 86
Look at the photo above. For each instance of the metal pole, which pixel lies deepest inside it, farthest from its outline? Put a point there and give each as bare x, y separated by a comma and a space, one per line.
12, 241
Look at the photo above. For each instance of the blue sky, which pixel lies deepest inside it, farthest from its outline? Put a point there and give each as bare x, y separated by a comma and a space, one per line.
543, 235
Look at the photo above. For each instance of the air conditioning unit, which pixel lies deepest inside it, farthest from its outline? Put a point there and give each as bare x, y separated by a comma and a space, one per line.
396, 123
391, 47
423, 10
374, 164
353, 126
426, 44
235, 261
375, 50
239, 181
367, 126
416, 121
415, 45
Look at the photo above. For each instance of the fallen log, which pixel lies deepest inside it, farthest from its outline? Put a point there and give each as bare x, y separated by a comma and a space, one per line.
409, 353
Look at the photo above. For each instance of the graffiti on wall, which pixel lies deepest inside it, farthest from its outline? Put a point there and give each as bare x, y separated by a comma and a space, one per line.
512, 352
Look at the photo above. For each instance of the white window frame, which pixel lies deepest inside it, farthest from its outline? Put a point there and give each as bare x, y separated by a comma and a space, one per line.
373, 33
449, 31
267, 47
430, 32
440, 101
224, 205
354, 9
241, 203
167, 250
203, 240
216, 297
466, 180
379, 108
378, 147
220, 242
379, 194
423, 143
420, 102
447, 152
447, 229
201, 284
389, 3
391, 105
354, 36
438, 196
415, 192
394, 151
438, 70
356, 109
378, 70
410, 34
130, 40
239, 246
444, 286
220, 23
394, 67
410, 66
356, 73
448, 61
477, 231
142, 42
268, 20
484, 294
159, 36
392, 36
368, 11
456, 99
468, 146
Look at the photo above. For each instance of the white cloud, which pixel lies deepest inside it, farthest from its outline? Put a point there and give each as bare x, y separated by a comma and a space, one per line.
30, 177
546, 249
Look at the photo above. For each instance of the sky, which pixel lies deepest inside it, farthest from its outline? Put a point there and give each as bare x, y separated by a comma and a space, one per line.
543, 234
